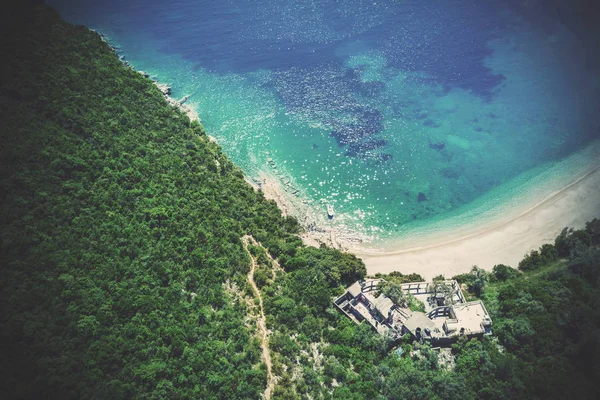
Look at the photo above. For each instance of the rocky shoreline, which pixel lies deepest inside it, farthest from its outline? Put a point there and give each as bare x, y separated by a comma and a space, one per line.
317, 228
164, 88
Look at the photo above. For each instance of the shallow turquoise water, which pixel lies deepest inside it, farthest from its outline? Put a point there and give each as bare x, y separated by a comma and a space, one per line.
397, 113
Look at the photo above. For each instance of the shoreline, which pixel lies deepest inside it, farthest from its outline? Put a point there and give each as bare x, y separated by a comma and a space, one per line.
511, 229
502, 243
493, 239
164, 88
317, 229
486, 229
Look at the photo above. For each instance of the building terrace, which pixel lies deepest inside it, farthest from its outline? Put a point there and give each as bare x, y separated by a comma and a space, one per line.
447, 314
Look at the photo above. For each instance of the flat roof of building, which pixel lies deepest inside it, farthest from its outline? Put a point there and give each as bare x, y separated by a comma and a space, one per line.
384, 304
355, 289
446, 322
418, 320
471, 316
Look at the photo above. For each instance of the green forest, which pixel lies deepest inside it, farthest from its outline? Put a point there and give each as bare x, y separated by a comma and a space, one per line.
124, 273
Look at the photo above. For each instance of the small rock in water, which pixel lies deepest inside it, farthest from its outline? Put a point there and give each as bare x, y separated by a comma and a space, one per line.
437, 146
421, 197
431, 123
184, 99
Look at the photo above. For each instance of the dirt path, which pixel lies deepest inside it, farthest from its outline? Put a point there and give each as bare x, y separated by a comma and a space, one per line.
262, 321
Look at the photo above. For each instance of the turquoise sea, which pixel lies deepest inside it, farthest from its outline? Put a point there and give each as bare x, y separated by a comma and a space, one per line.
398, 113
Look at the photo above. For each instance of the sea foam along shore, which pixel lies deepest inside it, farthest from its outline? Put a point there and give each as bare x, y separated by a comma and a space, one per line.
565, 195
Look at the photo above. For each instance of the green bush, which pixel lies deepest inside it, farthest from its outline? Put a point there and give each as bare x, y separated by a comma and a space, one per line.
503, 272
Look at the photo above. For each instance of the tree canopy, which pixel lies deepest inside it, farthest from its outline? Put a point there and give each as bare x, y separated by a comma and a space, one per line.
124, 274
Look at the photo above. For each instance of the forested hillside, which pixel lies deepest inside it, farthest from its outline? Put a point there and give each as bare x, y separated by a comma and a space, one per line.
124, 274
121, 223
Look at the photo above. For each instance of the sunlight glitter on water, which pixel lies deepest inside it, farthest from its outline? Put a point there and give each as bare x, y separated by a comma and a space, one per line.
394, 113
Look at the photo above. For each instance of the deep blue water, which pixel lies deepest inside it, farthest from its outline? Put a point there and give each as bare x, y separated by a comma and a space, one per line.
447, 39
394, 111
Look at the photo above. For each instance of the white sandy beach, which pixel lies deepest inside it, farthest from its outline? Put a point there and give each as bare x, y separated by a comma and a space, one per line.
504, 236
525, 226
502, 242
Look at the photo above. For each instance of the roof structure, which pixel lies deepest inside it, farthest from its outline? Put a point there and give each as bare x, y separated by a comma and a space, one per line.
418, 320
471, 316
384, 304
447, 316
355, 289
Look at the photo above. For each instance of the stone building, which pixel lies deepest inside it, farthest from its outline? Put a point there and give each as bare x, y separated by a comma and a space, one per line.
447, 314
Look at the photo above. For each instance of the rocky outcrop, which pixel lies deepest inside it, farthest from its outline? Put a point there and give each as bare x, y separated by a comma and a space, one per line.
164, 88
437, 146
